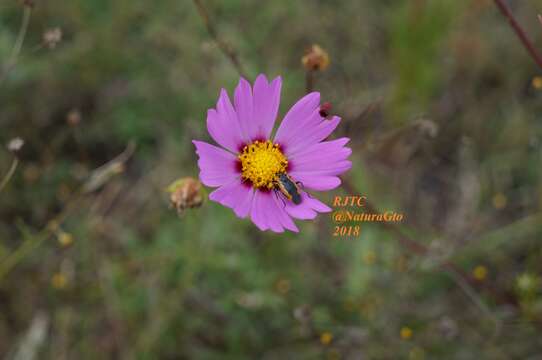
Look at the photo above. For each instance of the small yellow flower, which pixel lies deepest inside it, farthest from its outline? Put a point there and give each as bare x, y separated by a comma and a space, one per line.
480, 272
369, 257
499, 201
537, 82
64, 238
59, 281
326, 338
406, 333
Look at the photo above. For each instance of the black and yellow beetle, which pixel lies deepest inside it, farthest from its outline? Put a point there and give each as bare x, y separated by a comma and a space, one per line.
288, 188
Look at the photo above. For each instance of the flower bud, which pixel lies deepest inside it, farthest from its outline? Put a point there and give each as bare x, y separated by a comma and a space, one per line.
315, 59
186, 193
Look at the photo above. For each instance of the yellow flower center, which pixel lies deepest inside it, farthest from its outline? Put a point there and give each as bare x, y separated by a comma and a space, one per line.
261, 162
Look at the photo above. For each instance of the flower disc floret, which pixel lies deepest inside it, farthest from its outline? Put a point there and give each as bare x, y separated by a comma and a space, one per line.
261, 162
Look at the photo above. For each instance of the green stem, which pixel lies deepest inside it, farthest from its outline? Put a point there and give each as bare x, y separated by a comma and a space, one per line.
18, 43
10, 173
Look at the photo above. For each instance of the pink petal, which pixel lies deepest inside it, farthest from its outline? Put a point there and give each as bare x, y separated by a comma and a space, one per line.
301, 113
316, 181
224, 126
266, 106
284, 218
308, 209
317, 166
312, 135
246, 196
245, 110
258, 212
222, 132
271, 212
321, 168
316, 204
326, 147
268, 213
324, 158
217, 166
235, 195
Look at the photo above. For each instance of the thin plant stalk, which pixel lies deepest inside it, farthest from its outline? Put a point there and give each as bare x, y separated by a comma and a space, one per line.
10, 173
520, 32
12, 61
226, 48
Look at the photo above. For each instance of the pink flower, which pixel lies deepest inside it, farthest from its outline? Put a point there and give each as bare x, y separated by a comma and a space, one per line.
247, 166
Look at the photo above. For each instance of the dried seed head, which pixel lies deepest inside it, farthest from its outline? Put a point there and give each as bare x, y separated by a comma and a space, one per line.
51, 37
186, 193
303, 313
315, 59
447, 327
73, 118
29, 3
15, 145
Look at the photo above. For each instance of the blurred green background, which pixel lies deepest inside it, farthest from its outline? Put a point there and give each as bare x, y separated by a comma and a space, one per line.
443, 106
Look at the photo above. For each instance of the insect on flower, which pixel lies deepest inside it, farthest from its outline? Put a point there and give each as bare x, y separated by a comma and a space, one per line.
288, 188
252, 168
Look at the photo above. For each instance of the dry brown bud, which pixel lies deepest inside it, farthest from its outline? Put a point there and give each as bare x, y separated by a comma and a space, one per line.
315, 59
186, 193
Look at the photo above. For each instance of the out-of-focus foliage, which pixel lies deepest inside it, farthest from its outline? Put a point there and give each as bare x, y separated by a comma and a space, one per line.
439, 100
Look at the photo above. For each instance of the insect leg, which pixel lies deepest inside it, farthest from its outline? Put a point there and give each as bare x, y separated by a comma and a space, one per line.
309, 195
279, 197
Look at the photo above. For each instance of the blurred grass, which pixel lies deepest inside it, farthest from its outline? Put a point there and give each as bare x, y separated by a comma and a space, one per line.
142, 283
